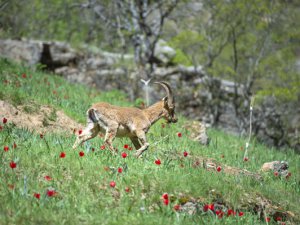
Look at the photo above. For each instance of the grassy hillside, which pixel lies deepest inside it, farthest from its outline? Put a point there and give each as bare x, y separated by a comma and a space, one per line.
43, 181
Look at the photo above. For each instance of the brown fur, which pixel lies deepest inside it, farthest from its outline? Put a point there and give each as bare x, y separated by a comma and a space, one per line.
116, 121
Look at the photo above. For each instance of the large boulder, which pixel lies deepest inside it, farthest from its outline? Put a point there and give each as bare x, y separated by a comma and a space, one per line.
164, 53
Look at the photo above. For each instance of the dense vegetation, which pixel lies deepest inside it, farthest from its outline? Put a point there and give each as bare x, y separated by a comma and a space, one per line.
43, 181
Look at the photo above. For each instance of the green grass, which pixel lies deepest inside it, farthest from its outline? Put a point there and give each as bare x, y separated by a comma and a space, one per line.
84, 195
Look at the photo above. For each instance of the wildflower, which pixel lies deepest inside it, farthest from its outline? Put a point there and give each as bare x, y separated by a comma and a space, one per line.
219, 168
179, 134
166, 201
6, 148
165, 196
48, 178
120, 170
126, 146
37, 195
62, 155
246, 159
230, 212
81, 154
219, 213
276, 173
185, 153
112, 184
211, 207
13, 165
80, 132
278, 218
288, 175
157, 162
4, 120
93, 149
205, 208
241, 213
268, 219
130, 148
14, 145
51, 193
176, 207
124, 155
41, 136
127, 189
102, 147
24, 75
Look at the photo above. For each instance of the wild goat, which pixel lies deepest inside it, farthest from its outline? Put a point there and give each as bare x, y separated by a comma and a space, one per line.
130, 122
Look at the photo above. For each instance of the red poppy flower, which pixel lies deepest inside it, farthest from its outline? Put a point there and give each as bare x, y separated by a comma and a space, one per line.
288, 175
126, 146
278, 218
112, 184
268, 219
48, 178
230, 212
80, 132
130, 148
179, 134
41, 136
37, 195
219, 213
13, 165
166, 201
246, 159
6, 148
127, 189
4, 120
120, 170
157, 162
276, 173
102, 147
124, 155
165, 196
241, 213
14, 145
51, 193
185, 153
62, 155
176, 207
205, 208
219, 168
211, 207
81, 154
24, 75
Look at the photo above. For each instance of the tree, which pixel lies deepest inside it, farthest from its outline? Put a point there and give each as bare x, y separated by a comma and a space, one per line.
139, 21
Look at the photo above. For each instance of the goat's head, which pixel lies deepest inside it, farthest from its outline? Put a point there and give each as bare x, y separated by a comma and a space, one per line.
169, 104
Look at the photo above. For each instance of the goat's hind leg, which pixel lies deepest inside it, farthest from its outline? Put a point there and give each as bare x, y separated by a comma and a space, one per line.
91, 131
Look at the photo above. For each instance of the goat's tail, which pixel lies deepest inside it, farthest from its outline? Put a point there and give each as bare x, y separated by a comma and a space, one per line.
93, 115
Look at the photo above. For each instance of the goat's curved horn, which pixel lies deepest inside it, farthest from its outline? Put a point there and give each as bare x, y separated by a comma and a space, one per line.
168, 89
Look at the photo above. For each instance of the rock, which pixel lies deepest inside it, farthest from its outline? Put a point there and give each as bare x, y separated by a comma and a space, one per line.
280, 167
164, 53
198, 132
21, 51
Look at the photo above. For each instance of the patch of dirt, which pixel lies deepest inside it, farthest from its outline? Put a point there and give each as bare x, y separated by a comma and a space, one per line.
40, 119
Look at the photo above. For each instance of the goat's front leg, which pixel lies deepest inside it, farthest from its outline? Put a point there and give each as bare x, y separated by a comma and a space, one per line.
142, 138
89, 132
109, 137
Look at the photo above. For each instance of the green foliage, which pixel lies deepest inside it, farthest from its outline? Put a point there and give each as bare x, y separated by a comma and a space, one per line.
82, 184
